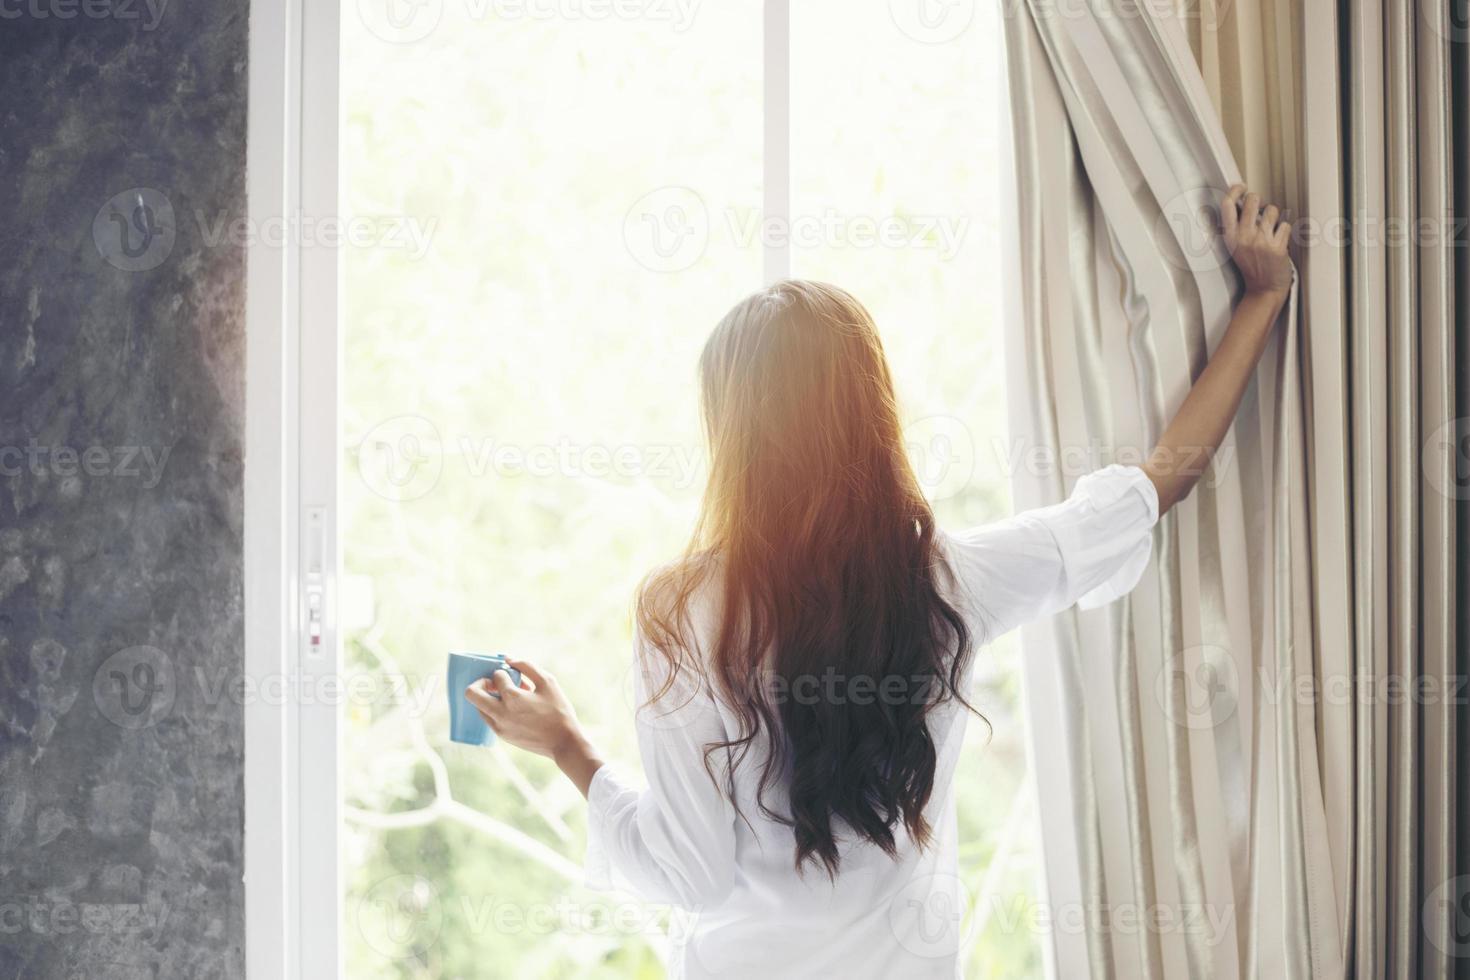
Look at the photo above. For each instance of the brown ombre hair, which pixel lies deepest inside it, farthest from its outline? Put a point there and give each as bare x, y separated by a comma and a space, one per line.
821, 551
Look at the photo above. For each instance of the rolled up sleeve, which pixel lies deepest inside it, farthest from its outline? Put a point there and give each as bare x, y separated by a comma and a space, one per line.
1088, 550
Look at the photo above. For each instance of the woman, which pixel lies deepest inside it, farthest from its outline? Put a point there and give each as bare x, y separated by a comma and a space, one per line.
802, 671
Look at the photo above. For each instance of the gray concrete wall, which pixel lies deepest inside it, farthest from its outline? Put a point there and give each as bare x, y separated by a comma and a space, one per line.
122, 152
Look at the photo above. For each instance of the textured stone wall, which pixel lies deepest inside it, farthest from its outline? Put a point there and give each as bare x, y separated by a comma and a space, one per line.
122, 163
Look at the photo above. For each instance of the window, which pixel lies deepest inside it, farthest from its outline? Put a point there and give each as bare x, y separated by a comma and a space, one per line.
545, 208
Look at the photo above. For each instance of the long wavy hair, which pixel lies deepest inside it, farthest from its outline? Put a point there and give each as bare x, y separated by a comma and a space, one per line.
833, 637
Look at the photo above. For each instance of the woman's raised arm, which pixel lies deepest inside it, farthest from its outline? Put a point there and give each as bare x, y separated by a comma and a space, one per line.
1257, 240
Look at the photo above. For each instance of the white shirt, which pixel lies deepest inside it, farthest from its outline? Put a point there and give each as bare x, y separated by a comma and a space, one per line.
749, 914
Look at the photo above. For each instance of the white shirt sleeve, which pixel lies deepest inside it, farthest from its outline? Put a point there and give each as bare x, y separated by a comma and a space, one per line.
1090, 549
675, 841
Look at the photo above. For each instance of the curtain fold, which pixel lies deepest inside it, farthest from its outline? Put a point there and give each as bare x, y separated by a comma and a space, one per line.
1457, 733
1229, 751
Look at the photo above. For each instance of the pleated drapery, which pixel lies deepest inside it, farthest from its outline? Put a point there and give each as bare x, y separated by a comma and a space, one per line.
1232, 782
1380, 153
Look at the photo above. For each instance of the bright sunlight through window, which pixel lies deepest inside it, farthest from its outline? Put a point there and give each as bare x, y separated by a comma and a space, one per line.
579, 201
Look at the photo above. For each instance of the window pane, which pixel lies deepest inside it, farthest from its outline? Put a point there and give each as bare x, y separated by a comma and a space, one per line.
521, 430
896, 152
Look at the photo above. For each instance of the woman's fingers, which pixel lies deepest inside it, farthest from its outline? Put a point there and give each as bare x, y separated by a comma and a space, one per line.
478, 694
1243, 212
1230, 209
479, 697
1257, 237
528, 669
1251, 212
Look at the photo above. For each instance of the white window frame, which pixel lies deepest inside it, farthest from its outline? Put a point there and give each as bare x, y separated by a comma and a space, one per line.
293, 875
292, 448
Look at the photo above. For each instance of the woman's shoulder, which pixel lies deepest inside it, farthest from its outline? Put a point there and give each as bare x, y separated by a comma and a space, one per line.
691, 581
675, 616
678, 604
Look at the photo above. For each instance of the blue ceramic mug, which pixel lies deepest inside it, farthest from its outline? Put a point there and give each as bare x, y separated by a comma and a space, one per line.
465, 723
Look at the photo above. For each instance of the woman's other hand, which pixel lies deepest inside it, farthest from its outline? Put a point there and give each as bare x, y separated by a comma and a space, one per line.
536, 717
1257, 238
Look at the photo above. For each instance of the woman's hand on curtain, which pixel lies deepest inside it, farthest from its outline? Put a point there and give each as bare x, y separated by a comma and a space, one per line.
1257, 239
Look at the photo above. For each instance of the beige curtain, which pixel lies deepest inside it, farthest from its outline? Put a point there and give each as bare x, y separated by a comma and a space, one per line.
1346, 111
1223, 752
1249, 57
1263, 79
1379, 151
